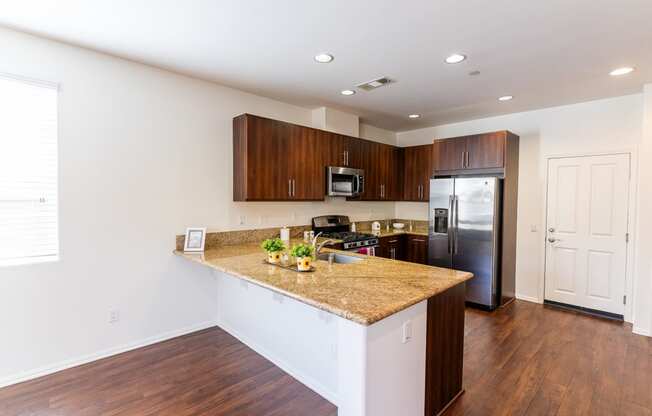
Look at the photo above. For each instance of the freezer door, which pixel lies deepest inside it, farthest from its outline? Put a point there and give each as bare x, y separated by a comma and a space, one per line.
440, 225
476, 207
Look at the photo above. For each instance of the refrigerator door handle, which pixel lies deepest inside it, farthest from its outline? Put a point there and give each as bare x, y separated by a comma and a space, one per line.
450, 224
456, 223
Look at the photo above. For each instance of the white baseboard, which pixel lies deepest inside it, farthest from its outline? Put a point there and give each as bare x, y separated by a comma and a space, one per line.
302, 377
528, 298
84, 359
642, 331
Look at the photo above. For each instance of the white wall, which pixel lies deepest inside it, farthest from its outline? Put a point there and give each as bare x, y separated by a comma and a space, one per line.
597, 126
643, 283
143, 153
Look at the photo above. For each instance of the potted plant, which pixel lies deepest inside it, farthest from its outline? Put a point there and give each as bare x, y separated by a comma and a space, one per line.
303, 254
273, 247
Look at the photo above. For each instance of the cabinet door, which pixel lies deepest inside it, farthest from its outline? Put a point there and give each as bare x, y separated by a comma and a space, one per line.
353, 152
411, 174
305, 163
449, 154
417, 249
267, 152
392, 247
370, 162
425, 170
486, 151
385, 164
333, 148
417, 171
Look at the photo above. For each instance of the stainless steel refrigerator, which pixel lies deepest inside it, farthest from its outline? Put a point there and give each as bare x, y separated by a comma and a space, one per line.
464, 233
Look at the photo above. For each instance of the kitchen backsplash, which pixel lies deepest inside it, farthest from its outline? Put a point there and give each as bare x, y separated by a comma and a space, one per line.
224, 238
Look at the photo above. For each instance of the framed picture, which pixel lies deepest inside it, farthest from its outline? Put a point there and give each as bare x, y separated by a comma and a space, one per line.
195, 239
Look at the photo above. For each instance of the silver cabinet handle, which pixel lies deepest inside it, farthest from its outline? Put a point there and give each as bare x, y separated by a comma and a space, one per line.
463, 159
467, 160
290, 187
419, 240
294, 187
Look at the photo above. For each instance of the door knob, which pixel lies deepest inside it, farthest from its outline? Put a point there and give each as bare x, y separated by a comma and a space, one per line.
552, 240
552, 230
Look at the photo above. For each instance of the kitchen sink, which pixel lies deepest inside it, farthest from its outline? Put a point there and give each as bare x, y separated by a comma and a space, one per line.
339, 258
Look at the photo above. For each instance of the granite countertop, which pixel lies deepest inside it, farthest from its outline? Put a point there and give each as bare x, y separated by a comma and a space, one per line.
393, 232
364, 292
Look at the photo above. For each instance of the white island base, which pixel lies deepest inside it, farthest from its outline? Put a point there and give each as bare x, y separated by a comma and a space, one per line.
375, 370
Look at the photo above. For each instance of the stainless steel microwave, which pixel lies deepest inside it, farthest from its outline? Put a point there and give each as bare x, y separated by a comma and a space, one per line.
344, 181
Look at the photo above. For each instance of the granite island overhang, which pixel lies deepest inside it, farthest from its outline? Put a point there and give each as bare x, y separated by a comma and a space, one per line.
375, 337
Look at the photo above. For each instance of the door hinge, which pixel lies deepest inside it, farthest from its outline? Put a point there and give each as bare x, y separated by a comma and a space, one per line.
624, 299
627, 237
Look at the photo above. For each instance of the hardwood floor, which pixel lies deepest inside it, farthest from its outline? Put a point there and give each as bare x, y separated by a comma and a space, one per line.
525, 359
205, 373
528, 359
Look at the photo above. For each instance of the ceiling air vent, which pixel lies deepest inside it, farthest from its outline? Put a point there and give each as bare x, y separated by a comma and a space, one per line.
373, 84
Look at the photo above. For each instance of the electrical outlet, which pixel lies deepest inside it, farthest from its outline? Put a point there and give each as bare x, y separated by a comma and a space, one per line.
114, 316
533, 228
407, 332
242, 220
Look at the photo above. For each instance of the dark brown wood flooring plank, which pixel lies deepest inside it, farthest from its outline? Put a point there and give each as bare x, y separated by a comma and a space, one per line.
527, 359
205, 373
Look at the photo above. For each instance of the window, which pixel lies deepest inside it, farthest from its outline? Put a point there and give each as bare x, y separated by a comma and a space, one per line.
28, 171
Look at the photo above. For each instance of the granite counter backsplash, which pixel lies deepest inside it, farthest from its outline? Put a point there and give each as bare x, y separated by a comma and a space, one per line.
227, 238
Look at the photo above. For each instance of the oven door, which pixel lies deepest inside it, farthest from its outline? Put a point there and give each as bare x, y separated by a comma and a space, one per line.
344, 181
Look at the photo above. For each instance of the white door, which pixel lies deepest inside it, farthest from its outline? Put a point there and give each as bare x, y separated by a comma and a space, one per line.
586, 246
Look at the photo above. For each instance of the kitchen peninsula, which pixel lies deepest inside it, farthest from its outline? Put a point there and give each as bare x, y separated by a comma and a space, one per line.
374, 336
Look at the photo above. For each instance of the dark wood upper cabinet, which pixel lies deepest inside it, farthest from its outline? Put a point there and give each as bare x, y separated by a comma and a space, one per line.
275, 161
417, 171
278, 161
340, 150
485, 151
383, 171
305, 166
449, 154
479, 153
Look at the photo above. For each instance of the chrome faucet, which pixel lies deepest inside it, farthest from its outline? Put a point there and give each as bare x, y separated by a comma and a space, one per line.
322, 244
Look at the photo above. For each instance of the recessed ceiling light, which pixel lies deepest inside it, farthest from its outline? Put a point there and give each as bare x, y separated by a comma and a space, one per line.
505, 98
324, 58
347, 92
455, 58
621, 71
414, 115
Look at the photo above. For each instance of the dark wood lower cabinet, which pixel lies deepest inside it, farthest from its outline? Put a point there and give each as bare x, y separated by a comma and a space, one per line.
416, 249
392, 247
444, 349
407, 247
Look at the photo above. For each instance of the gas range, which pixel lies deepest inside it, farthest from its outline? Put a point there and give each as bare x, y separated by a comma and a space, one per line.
337, 227
353, 240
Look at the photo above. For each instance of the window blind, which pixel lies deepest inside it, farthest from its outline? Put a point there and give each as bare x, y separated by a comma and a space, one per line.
28, 171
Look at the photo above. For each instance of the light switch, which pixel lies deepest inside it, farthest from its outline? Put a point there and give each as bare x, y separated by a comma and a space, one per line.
407, 332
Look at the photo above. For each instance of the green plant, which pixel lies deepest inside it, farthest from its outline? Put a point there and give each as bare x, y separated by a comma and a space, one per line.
302, 250
273, 245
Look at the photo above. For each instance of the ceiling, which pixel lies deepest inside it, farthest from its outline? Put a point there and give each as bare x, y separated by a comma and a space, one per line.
544, 53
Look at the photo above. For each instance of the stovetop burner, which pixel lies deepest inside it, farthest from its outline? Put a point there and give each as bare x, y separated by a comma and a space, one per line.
347, 236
